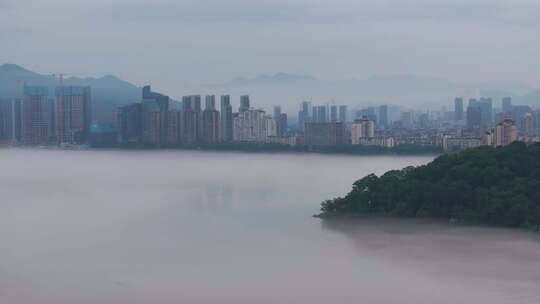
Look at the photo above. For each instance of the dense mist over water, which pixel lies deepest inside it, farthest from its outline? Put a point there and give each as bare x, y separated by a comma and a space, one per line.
201, 227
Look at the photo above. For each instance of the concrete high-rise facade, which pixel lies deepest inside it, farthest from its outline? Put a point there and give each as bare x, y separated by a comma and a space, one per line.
35, 116
362, 128
304, 114
314, 114
458, 109
474, 117
333, 113
129, 123
282, 124
505, 133
73, 114
485, 106
191, 122
322, 114
155, 107
528, 124
153, 131
210, 121
277, 112
226, 116
324, 133
507, 106
383, 116
343, 114
244, 103
173, 127
250, 126
10, 121
272, 128
210, 102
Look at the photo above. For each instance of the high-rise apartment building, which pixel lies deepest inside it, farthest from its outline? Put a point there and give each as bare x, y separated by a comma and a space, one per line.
383, 121
129, 123
73, 114
485, 106
474, 115
505, 133
507, 106
282, 124
304, 114
244, 103
173, 126
226, 119
362, 128
458, 109
154, 126
528, 124
10, 121
271, 127
35, 116
333, 113
277, 112
322, 114
210, 121
250, 126
191, 122
324, 133
153, 102
343, 114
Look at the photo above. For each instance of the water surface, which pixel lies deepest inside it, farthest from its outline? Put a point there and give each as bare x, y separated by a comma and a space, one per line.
201, 227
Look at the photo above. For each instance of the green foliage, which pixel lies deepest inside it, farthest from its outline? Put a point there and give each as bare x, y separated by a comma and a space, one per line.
496, 186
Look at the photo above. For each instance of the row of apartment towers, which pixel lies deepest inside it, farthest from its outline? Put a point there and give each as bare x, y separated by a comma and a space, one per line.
37, 119
153, 122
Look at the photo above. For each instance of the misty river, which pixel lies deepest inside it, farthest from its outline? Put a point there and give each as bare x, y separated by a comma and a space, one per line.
125, 227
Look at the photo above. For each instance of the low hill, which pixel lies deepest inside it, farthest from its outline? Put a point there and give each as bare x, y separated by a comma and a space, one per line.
496, 186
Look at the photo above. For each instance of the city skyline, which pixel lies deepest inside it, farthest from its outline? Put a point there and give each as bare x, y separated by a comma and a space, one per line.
36, 119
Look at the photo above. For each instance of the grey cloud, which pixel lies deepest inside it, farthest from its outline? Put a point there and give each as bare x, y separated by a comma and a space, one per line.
520, 12
213, 12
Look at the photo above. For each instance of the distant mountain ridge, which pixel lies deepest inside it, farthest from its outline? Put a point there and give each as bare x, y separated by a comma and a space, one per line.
405, 90
108, 92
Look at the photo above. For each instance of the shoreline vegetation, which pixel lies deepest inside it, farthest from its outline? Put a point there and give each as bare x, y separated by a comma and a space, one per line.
278, 148
484, 186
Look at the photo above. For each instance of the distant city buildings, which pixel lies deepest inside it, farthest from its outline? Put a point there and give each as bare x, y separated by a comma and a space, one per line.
324, 133
505, 133
73, 114
36, 116
129, 123
343, 114
383, 116
63, 116
458, 109
210, 121
249, 125
10, 121
362, 128
226, 116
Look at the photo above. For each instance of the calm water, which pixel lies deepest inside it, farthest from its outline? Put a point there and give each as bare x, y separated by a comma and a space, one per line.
196, 227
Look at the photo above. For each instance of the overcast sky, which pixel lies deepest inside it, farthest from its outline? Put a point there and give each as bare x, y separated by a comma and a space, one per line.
175, 43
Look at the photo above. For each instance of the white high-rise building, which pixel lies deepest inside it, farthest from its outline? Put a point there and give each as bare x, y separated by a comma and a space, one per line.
271, 127
250, 126
362, 128
505, 133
